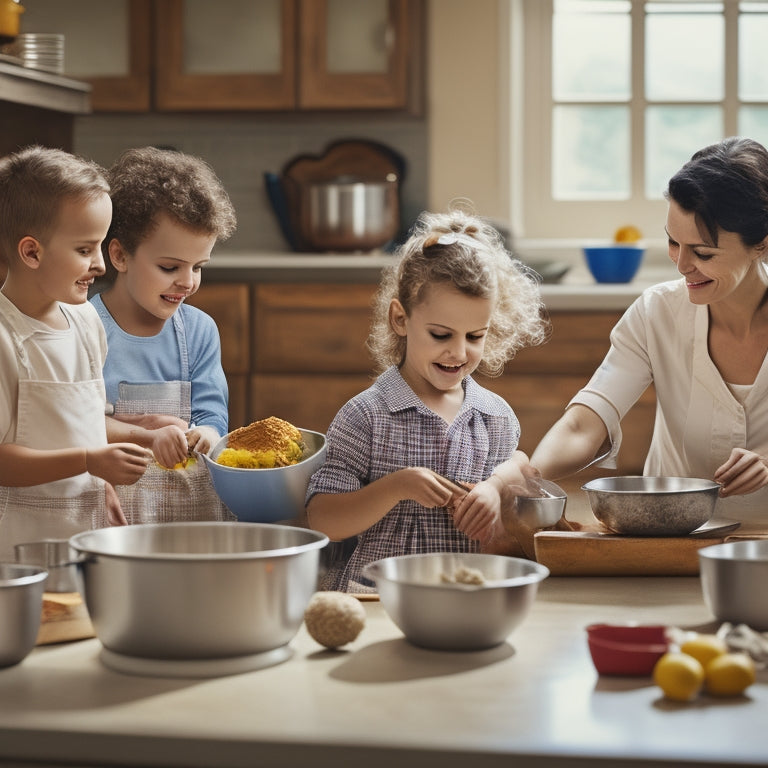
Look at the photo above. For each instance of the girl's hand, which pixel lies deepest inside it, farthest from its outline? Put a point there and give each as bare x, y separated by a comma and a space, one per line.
118, 463
115, 514
425, 487
169, 445
478, 514
744, 472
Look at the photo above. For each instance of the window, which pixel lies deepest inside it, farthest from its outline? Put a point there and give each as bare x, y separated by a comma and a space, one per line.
617, 95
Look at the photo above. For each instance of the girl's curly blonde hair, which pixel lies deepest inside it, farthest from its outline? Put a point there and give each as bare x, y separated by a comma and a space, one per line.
459, 249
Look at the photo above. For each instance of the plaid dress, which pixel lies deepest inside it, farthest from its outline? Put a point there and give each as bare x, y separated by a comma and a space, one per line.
387, 428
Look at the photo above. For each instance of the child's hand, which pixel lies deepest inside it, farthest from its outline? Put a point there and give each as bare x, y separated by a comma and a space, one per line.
115, 514
478, 514
169, 445
118, 463
425, 487
202, 439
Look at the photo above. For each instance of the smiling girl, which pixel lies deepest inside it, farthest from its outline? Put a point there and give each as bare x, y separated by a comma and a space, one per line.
454, 303
163, 371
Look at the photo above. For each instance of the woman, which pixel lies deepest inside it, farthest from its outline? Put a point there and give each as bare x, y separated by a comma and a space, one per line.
701, 341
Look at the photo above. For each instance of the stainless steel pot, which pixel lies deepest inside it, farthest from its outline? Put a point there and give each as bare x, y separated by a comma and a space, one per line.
21, 606
348, 214
197, 591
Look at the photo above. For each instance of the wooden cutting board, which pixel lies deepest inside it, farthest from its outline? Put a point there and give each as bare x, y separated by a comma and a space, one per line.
64, 618
588, 553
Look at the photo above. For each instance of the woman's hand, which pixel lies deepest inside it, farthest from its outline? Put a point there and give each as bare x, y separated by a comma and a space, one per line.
744, 472
169, 444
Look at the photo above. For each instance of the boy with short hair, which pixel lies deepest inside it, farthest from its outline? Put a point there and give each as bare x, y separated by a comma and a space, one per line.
56, 466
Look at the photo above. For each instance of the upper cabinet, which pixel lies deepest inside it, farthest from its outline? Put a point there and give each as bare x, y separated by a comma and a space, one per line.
192, 55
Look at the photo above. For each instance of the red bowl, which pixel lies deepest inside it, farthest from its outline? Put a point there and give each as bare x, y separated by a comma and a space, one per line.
626, 649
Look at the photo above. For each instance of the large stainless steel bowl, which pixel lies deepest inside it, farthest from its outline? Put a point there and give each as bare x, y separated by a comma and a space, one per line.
21, 606
456, 617
267, 495
197, 590
652, 506
733, 580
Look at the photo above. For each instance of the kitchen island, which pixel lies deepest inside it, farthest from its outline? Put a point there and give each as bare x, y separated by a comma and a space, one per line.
535, 700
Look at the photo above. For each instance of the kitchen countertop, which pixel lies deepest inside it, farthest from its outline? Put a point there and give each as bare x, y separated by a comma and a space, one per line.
35, 88
577, 291
536, 700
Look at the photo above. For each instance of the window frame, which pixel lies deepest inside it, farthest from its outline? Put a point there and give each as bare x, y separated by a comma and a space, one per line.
533, 211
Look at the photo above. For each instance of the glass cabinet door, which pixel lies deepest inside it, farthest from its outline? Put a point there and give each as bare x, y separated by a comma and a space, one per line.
355, 54
106, 44
228, 54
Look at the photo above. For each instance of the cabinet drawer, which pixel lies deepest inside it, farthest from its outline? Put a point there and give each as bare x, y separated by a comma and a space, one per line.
578, 343
312, 328
228, 304
309, 402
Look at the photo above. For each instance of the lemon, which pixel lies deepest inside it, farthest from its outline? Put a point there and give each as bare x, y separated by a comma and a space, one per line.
729, 674
679, 675
627, 234
704, 648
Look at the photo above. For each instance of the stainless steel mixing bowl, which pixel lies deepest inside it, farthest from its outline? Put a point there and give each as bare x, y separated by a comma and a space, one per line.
54, 556
456, 617
21, 606
652, 506
267, 495
197, 590
733, 581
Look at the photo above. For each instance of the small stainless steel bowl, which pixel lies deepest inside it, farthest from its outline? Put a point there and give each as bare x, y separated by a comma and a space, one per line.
652, 506
733, 578
267, 495
456, 617
56, 557
21, 607
180, 591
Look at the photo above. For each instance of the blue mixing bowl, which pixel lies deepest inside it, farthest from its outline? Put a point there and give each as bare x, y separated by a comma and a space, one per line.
267, 495
614, 263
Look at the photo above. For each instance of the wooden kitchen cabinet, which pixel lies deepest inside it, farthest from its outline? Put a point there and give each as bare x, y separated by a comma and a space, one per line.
229, 304
197, 55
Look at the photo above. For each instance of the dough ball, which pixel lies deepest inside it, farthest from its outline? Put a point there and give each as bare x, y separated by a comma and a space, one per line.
334, 618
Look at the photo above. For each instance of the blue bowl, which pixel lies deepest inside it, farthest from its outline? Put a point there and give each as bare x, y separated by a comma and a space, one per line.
614, 263
267, 495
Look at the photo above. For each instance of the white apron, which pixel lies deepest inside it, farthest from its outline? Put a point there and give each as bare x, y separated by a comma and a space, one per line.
53, 414
168, 495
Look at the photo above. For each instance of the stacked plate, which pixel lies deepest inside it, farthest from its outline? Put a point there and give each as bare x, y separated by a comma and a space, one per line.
39, 51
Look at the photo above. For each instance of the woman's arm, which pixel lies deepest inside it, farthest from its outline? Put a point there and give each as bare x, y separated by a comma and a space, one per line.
571, 444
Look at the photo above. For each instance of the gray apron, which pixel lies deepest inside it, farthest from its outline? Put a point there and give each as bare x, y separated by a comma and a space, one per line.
54, 414
168, 495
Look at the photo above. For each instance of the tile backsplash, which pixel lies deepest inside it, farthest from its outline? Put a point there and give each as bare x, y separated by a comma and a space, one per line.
241, 148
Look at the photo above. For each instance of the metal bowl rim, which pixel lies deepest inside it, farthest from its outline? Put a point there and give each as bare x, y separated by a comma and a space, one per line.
31, 574
320, 541
719, 553
711, 485
539, 573
221, 467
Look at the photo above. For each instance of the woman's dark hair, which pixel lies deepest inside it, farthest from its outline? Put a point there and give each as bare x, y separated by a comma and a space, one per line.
725, 186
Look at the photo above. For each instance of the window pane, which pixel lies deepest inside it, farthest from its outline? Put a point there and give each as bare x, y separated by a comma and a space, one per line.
684, 54
753, 54
753, 122
672, 135
590, 153
591, 49
357, 36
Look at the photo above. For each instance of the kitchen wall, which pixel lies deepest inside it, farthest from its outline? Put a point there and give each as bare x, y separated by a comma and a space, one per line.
242, 147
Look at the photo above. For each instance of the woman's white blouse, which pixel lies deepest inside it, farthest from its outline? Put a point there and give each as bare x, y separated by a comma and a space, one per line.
662, 339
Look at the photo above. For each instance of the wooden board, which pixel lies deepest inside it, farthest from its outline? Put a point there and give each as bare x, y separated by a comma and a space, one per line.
64, 618
588, 553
